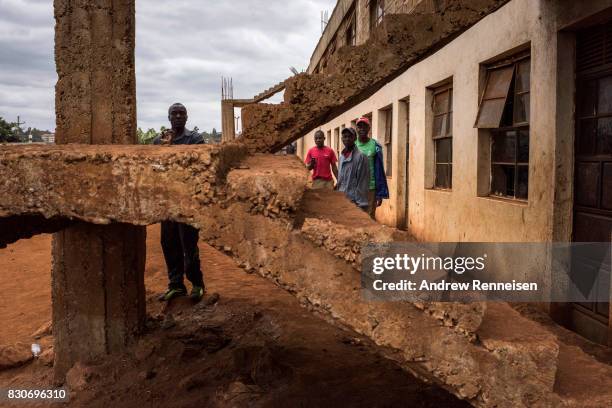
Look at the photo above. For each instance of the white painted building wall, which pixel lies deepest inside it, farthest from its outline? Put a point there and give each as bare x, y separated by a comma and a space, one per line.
462, 214
466, 214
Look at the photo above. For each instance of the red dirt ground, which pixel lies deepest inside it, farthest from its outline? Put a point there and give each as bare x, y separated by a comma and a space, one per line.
254, 347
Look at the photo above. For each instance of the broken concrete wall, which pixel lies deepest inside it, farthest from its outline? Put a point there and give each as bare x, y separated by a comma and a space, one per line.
139, 185
485, 353
357, 72
262, 215
425, 339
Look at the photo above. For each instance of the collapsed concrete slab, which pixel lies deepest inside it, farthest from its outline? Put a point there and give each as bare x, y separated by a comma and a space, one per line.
355, 73
258, 210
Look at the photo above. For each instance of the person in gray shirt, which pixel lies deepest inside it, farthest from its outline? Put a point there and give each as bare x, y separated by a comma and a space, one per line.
354, 172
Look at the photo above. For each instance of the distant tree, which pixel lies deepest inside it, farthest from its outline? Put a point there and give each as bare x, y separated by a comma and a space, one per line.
146, 137
36, 133
6, 130
10, 132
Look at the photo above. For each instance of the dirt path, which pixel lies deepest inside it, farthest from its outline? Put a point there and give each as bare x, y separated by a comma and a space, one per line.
254, 347
25, 288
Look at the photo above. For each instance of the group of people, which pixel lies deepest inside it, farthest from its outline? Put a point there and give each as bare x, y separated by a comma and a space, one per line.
360, 174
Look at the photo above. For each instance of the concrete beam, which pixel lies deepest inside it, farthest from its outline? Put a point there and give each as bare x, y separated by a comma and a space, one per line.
138, 185
355, 73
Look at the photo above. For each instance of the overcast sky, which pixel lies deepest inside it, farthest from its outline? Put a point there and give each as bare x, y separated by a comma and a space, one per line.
183, 48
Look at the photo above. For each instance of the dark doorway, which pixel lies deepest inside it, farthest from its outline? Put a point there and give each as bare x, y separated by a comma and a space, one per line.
593, 162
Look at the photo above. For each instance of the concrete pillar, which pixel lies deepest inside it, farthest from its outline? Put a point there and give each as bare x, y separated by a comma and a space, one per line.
98, 271
228, 127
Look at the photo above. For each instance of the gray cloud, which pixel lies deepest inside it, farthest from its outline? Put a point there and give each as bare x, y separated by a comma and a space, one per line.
182, 50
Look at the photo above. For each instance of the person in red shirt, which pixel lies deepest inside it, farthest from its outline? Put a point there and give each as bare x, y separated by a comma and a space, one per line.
322, 161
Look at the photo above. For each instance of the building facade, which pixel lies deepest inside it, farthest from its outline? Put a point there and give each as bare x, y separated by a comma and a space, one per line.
504, 135
48, 138
351, 23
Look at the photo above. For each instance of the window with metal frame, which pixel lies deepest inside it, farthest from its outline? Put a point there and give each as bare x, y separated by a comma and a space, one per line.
443, 136
504, 109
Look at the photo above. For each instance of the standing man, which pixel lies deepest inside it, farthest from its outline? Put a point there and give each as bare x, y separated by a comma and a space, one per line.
378, 179
180, 241
322, 161
354, 176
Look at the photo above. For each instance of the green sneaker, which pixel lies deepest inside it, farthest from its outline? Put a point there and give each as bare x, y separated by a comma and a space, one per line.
171, 294
197, 293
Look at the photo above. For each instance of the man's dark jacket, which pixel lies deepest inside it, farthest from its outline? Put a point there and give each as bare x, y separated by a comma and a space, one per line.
179, 241
188, 137
382, 189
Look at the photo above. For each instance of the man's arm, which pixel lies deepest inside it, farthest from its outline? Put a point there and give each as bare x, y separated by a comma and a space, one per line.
309, 163
382, 189
334, 164
197, 138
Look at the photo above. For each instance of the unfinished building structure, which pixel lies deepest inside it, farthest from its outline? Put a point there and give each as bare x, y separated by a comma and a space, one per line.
229, 103
257, 208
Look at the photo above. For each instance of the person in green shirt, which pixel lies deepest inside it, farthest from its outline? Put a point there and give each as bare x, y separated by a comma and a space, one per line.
379, 189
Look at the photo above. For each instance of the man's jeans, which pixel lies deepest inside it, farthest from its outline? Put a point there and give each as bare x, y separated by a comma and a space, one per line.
180, 245
372, 204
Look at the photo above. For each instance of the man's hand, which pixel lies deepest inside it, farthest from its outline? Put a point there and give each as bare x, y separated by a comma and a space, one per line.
378, 202
167, 136
311, 165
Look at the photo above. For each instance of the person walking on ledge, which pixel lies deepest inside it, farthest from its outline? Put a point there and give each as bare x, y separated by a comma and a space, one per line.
354, 175
378, 179
322, 161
